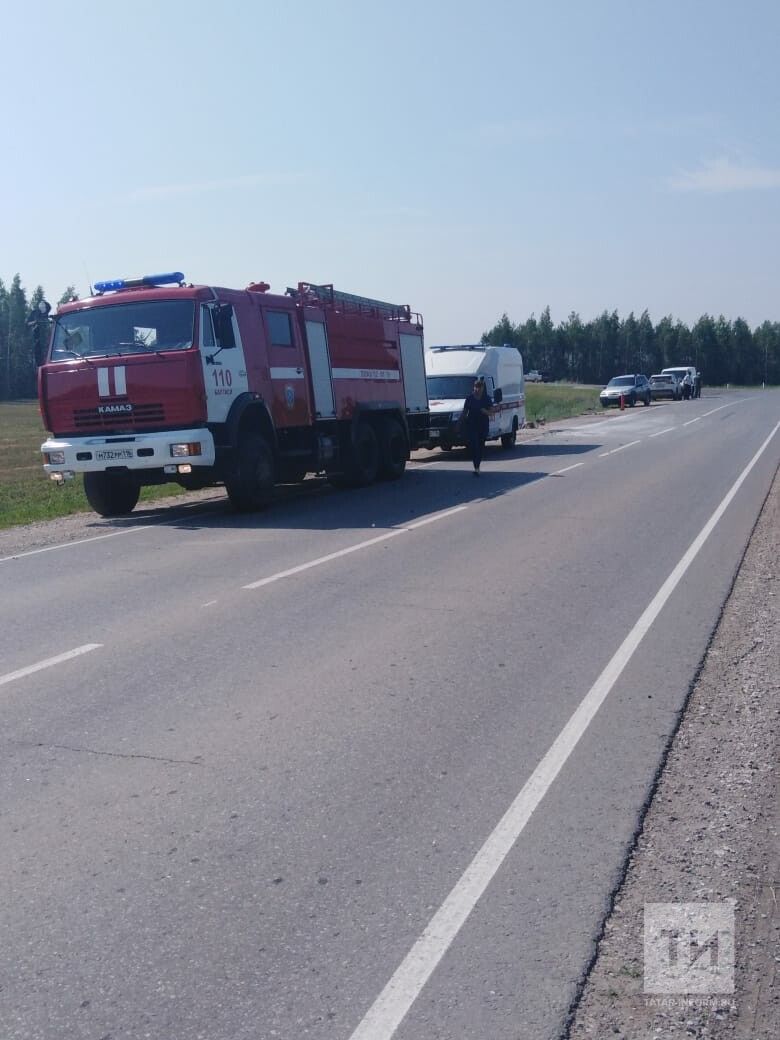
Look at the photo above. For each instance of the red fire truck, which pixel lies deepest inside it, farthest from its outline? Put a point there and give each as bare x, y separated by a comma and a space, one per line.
152, 380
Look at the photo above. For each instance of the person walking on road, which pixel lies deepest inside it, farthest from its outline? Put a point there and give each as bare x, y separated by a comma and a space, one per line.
476, 421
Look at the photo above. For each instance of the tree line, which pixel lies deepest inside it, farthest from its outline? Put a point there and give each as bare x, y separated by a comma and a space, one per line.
724, 351
20, 328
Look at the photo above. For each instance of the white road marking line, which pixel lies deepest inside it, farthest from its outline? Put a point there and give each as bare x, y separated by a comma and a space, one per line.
48, 663
660, 432
623, 446
392, 533
210, 603
111, 534
433, 517
79, 541
739, 400
391, 1006
566, 469
604, 454
698, 417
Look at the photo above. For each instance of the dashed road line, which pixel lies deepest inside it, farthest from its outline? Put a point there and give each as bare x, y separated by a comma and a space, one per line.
566, 469
729, 404
661, 432
49, 662
621, 447
394, 532
78, 541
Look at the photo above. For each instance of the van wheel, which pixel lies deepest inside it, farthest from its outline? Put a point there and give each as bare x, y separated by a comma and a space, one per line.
393, 450
111, 494
250, 482
508, 440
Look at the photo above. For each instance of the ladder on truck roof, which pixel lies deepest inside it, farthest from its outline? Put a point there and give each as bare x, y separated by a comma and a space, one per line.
349, 303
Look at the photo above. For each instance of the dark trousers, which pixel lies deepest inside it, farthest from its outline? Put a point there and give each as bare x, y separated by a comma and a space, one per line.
476, 442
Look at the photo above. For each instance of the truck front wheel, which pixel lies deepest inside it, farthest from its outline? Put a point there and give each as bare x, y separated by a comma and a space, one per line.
111, 494
250, 481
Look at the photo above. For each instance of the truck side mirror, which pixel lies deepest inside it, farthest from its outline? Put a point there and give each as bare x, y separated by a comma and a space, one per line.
39, 343
498, 396
224, 326
39, 324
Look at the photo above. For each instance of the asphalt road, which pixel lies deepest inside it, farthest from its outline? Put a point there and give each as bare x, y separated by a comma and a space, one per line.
276, 760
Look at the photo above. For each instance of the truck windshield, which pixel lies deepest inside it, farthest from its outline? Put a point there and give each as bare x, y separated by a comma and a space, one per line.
126, 328
443, 387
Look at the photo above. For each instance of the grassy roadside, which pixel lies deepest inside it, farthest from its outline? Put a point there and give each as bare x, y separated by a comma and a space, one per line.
26, 494
551, 401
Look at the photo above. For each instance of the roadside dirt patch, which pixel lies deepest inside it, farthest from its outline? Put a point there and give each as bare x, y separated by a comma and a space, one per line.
711, 834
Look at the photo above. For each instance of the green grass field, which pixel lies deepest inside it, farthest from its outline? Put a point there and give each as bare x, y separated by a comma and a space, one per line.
27, 494
550, 401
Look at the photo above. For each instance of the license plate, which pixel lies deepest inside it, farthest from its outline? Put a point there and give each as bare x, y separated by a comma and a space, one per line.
114, 453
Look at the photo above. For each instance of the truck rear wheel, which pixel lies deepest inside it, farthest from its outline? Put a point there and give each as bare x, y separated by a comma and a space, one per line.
362, 463
392, 449
250, 482
111, 494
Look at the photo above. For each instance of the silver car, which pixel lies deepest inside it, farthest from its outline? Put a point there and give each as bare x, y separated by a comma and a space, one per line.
665, 384
630, 388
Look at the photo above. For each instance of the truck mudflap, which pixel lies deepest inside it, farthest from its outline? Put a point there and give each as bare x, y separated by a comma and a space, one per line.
169, 450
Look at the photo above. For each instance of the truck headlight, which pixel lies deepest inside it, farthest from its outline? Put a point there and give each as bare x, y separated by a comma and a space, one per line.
181, 451
55, 458
455, 416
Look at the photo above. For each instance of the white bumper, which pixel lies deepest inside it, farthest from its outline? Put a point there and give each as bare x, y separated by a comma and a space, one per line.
136, 451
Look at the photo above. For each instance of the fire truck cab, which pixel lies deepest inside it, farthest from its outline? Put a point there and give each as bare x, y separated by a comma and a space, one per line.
153, 380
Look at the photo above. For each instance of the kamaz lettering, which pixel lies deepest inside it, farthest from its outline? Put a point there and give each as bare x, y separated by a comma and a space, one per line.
115, 409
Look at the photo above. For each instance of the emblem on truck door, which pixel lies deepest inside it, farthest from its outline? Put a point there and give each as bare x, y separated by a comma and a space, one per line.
289, 397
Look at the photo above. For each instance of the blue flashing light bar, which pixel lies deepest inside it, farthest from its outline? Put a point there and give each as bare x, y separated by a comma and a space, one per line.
115, 284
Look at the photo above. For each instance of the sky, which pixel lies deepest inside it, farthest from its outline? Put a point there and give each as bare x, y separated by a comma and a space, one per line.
465, 158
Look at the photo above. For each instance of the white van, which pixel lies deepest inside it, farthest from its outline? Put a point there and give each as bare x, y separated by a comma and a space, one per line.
450, 373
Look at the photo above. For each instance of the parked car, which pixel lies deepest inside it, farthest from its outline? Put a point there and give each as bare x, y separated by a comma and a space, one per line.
533, 376
630, 388
546, 377
665, 384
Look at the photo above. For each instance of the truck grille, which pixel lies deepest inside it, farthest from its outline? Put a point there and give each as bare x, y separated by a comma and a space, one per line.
142, 415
